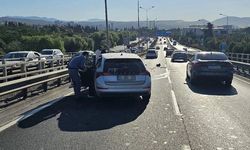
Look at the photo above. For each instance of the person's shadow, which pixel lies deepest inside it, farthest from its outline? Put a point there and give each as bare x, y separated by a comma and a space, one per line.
89, 114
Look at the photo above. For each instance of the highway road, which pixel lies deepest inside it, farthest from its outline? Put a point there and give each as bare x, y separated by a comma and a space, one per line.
178, 116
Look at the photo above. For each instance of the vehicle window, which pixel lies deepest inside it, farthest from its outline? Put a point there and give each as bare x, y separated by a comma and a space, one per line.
37, 55
123, 66
212, 56
151, 52
16, 55
47, 52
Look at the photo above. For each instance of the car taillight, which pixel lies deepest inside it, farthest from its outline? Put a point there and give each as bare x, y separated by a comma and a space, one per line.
196, 64
145, 73
102, 74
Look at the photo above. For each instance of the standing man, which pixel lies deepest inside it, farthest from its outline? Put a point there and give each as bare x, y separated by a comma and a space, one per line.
74, 66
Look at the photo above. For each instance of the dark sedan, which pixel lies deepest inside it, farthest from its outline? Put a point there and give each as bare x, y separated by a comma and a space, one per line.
210, 65
179, 55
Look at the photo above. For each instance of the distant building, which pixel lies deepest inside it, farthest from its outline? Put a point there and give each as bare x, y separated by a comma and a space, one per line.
198, 30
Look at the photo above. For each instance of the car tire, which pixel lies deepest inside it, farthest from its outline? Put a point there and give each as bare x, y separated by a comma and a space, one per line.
146, 97
228, 83
187, 77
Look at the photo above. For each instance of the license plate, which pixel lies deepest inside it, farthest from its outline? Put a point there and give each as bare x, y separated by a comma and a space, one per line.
214, 67
126, 78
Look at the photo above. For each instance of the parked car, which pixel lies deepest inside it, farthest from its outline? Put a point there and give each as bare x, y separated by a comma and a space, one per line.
179, 55
52, 53
169, 51
174, 43
17, 57
210, 65
122, 74
152, 54
134, 50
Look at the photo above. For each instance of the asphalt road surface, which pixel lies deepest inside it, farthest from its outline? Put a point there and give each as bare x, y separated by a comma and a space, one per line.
178, 116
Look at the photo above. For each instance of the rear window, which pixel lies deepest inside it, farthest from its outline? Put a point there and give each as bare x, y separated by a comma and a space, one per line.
212, 56
151, 52
124, 66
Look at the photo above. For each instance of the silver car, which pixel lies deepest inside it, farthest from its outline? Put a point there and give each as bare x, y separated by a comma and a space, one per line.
122, 74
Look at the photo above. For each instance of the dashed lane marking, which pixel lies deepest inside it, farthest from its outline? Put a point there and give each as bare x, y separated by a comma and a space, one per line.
23, 117
175, 104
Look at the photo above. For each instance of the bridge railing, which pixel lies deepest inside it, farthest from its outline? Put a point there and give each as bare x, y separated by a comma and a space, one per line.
241, 57
21, 69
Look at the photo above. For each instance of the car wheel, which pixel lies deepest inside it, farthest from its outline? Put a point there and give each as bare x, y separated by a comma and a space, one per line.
146, 97
228, 83
187, 77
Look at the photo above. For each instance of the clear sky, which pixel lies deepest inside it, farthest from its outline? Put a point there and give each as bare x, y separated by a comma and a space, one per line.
125, 10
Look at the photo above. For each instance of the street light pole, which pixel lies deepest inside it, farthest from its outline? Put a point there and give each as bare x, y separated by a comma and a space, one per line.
138, 9
107, 24
147, 10
227, 22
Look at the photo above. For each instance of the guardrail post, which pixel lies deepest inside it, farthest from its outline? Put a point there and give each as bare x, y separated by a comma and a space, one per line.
62, 62
45, 86
51, 65
248, 58
39, 63
5, 71
25, 93
59, 82
24, 68
237, 57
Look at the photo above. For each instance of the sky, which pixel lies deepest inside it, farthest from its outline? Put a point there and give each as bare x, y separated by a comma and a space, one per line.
126, 10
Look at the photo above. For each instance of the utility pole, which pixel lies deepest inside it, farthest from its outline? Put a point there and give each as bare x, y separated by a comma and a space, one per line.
227, 22
107, 24
147, 10
138, 7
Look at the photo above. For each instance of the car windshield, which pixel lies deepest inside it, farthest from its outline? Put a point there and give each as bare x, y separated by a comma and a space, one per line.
16, 55
212, 56
124, 66
47, 52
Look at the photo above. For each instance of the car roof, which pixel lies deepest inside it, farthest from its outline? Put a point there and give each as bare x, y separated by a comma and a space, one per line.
20, 52
212, 52
120, 56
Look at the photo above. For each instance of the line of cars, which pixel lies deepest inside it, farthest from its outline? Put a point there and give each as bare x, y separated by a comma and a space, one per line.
18, 57
204, 65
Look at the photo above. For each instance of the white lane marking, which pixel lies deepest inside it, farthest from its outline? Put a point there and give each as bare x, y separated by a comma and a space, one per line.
241, 80
9, 124
186, 147
23, 117
175, 104
169, 80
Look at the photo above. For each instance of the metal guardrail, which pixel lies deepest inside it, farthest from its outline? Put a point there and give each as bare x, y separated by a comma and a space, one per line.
239, 57
22, 69
242, 68
21, 87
